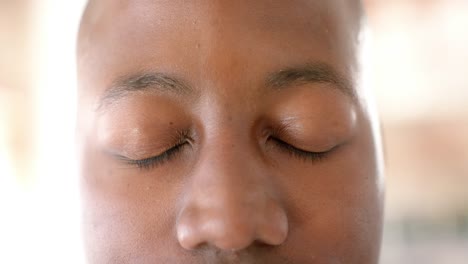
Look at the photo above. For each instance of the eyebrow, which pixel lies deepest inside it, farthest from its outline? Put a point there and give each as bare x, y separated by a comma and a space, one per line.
287, 77
144, 82
311, 73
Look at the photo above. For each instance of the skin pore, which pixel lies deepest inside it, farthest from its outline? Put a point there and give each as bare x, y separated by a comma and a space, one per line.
226, 132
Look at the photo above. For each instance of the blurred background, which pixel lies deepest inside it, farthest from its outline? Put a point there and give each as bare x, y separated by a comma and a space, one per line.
419, 61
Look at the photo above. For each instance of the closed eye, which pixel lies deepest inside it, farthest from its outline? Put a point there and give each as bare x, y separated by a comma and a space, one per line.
155, 161
183, 140
300, 153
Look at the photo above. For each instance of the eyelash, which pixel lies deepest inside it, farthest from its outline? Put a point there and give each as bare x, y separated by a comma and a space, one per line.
152, 162
299, 153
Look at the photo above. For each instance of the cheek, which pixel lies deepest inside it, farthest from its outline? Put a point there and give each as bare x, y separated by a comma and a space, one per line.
127, 215
335, 206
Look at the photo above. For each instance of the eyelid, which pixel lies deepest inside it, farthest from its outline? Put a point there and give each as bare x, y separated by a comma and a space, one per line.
158, 160
300, 153
182, 138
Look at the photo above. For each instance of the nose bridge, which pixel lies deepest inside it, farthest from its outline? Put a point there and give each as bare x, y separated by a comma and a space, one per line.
230, 203
230, 173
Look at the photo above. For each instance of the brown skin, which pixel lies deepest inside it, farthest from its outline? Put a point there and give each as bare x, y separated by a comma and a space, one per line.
228, 184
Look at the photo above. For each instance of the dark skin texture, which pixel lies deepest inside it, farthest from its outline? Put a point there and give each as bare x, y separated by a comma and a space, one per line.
226, 132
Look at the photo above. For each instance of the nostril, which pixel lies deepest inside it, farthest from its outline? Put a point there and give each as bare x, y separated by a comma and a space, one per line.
224, 234
230, 233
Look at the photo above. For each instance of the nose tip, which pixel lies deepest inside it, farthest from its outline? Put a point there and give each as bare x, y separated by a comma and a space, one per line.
215, 233
231, 232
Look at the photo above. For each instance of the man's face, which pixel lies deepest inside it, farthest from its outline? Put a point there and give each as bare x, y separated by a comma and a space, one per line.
226, 132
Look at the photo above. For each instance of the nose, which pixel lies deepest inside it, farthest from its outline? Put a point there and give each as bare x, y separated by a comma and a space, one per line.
230, 204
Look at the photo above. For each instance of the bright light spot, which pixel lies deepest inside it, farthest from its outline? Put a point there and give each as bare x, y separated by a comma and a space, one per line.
40, 224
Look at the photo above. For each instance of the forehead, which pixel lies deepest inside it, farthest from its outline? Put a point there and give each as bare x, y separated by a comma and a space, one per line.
209, 39
260, 14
